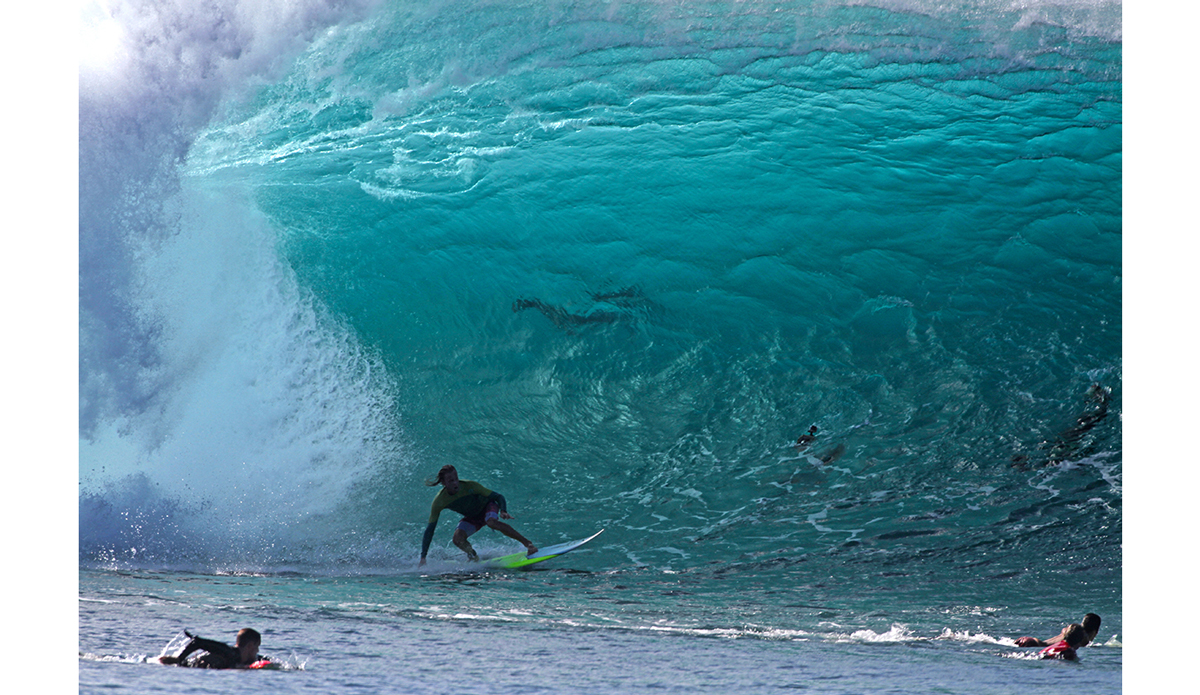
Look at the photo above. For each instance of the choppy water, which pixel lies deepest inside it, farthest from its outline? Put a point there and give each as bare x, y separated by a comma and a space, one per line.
609, 259
562, 631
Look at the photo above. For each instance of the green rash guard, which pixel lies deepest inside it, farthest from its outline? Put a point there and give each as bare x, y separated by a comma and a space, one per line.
470, 500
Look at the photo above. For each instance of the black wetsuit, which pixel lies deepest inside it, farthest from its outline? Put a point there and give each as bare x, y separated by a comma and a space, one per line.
213, 654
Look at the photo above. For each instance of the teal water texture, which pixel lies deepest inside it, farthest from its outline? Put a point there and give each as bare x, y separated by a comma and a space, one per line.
611, 260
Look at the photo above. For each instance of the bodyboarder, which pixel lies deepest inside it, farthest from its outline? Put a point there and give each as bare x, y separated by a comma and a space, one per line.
206, 653
1090, 624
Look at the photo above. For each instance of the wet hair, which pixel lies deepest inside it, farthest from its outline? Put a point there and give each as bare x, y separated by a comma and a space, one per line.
1076, 636
1091, 623
437, 480
248, 634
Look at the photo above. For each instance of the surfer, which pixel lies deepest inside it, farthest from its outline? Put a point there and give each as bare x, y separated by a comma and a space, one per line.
1074, 637
1090, 626
214, 654
623, 296
1068, 440
804, 440
479, 507
611, 306
1066, 444
561, 317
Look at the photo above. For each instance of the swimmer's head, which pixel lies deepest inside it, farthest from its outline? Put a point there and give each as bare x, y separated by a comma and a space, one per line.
249, 635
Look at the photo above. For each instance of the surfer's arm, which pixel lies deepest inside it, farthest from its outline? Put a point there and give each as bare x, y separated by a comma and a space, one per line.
435, 510
427, 540
500, 502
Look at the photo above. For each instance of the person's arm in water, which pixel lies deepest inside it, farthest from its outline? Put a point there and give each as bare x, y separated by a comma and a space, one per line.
435, 510
428, 538
1035, 642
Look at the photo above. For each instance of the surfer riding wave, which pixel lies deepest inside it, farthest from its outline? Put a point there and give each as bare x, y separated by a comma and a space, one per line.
479, 507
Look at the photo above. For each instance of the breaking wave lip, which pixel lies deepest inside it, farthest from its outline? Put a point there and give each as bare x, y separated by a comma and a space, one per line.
240, 443
207, 372
159, 75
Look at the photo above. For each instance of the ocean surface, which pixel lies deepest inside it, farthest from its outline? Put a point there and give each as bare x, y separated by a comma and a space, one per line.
610, 259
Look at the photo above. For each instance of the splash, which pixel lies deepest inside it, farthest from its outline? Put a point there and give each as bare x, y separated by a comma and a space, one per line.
207, 374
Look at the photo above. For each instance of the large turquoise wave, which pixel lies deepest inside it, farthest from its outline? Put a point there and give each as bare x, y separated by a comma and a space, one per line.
610, 259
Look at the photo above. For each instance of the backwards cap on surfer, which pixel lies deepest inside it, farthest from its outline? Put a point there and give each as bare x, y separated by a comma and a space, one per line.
478, 506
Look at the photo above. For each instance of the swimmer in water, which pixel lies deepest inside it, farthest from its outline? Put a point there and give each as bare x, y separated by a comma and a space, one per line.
214, 654
1090, 624
1066, 444
561, 317
804, 440
1074, 637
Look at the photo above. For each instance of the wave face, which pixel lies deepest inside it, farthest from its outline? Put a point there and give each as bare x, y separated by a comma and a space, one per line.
610, 259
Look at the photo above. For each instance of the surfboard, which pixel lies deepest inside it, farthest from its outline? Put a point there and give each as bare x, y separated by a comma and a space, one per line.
522, 560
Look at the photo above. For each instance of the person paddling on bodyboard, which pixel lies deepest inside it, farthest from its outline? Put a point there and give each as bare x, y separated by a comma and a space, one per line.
214, 654
1090, 624
479, 507
1074, 637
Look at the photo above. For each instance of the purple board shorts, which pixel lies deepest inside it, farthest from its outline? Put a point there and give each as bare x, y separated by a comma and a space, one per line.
473, 524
